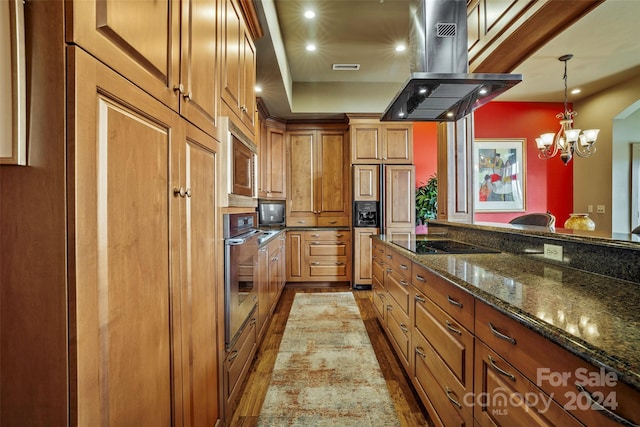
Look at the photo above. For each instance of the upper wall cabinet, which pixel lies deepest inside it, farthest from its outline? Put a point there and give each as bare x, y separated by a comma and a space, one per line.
238, 62
147, 51
373, 142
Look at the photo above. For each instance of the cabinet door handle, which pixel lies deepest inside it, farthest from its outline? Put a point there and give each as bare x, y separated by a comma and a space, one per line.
233, 355
389, 308
315, 263
421, 352
419, 298
420, 278
454, 302
594, 404
188, 192
501, 371
179, 88
187, 96
452, 329
404, 328
451, 399
179, 192
501, 335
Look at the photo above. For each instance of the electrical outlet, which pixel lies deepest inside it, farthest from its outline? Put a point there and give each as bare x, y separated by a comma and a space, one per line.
600, 208
590, 209
553, 252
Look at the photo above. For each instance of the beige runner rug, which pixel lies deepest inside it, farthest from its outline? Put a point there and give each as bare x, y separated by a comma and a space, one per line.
326, 372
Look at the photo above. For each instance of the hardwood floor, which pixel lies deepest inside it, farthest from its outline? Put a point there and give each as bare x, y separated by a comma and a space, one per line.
410, 411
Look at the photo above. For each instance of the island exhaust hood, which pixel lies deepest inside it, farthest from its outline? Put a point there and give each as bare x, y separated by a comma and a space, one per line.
440, 89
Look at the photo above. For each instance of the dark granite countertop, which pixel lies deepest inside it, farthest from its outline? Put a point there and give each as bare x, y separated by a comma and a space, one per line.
595, 317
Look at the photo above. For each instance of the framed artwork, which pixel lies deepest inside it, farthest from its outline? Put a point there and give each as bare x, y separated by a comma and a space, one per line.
499, 175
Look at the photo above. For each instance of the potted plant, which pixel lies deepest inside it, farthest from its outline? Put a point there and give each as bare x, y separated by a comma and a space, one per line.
427, 200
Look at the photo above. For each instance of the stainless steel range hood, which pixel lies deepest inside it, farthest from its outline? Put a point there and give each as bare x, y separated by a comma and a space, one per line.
439, 88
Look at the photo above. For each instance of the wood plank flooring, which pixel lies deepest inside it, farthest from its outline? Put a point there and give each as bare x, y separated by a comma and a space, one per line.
410, 410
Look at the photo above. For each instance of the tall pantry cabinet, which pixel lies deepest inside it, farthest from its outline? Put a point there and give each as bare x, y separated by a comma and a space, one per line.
111, 296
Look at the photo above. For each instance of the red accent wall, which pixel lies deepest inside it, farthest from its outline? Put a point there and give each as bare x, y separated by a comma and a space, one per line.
549, 183
425, 150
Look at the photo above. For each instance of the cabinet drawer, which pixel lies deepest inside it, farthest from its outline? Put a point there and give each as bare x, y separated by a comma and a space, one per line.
455, 301
239, 357
446, 394
398, 289
377, 271
504, 397
450, 340
399, 263
328, 221
331, 235
320, 248
379, 299
319, 268
544, 362
399, 332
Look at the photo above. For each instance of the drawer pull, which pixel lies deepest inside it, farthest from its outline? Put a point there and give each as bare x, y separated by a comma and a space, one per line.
421, 352
233, 355
501, 335
302, 222
404, 282
419, 298
452, 400
381, 296
315, 263
454, 302
420, 278
606, 411
389, 270
338, 235
501, 371
404, 328
452, 329
389, 256
339, 263
315, 235
332, 222
404, 267
389, 307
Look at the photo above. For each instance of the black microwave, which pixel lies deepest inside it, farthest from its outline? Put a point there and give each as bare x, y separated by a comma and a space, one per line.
271, 212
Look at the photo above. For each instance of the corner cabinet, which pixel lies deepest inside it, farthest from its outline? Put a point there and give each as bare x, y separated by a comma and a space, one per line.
238, 66
318, 179
145, 290
375, 142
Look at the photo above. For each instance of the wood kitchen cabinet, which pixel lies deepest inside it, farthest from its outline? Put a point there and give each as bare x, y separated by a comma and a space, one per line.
145, 299
400, 205
238, 66
273, 160
366, 182
375, 142
178, 68
318, 180
319, 255
378, 288
362, 251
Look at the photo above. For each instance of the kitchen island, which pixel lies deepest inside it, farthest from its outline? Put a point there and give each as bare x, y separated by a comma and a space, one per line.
578, 331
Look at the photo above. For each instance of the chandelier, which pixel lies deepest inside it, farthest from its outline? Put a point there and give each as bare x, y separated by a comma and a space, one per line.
568, 141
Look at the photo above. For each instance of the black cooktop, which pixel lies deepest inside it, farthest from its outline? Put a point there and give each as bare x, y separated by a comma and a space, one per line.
425, 246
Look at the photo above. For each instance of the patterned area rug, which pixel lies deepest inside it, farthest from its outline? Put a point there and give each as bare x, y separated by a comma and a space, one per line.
326, 372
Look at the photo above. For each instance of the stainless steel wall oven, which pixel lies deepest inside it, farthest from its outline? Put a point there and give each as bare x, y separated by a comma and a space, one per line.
240, 271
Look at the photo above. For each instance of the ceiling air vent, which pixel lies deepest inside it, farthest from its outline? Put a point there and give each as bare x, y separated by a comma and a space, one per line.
346, 67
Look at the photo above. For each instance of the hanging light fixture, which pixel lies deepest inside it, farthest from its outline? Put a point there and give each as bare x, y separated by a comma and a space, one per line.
568, 141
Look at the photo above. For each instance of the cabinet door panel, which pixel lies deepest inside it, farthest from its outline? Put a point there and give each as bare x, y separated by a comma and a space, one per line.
398, 144
365, 182
332, 171
294, 256
365, 143
400, 206
247, 94
277, 163
199, 287
198, 73
145, 51
121, 318
301, 204
231, 59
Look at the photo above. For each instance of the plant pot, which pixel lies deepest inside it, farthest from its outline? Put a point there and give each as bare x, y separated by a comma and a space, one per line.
580, 221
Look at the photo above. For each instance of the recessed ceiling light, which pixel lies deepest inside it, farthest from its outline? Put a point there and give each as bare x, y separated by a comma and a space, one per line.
309, 14
311, 47
576, 90
401, 48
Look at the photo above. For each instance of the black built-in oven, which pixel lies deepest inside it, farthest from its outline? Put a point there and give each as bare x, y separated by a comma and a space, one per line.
240, 271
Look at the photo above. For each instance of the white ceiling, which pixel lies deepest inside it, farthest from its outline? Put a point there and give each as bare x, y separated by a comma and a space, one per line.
605, 44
